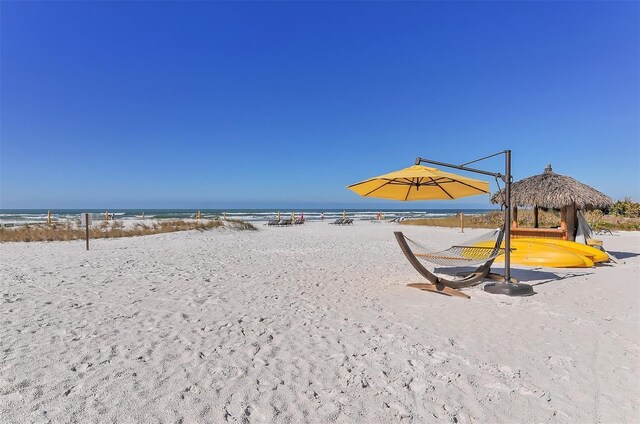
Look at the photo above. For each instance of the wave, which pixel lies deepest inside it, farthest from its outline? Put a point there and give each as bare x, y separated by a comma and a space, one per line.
31, 216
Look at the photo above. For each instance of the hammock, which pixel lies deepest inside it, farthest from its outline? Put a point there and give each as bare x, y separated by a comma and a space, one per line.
482, 249
475, 251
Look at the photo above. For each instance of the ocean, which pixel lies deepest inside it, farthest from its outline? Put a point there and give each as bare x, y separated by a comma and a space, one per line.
13, 217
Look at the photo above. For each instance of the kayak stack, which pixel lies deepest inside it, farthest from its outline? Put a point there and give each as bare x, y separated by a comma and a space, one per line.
554, 253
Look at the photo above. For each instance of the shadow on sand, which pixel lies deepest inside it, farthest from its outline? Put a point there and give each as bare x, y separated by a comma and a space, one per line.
623, 255
536, 275
544, 277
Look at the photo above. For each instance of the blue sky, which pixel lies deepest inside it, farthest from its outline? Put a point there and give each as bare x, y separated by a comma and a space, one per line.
284, 104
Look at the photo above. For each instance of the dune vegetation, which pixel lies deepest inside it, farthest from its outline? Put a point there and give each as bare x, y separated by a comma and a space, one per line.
113, 229
597, 219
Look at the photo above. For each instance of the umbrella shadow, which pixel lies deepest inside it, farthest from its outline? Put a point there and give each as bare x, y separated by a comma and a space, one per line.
546, 276
522, 275
623, 255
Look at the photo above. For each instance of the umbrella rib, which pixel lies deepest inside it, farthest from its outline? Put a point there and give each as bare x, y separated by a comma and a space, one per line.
409, 182
406, 197
379, 187
441, 188
468, 185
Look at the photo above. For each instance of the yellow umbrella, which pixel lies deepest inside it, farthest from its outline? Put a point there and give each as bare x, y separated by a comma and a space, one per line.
344, 214
420, 182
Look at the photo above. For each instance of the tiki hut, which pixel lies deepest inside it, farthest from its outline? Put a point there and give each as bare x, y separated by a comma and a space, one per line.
552, 191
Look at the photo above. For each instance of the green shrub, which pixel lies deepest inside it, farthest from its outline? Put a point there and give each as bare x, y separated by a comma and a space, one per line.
626, 208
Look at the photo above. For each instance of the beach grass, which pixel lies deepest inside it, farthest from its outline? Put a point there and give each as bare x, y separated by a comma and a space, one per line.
488, 220
599, 221
546, 219
113, 229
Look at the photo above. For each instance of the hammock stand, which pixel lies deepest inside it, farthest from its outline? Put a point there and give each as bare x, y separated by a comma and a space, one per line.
455, 255
507, 285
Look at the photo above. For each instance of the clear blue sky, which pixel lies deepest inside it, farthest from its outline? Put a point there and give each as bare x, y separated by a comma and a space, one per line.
205, 105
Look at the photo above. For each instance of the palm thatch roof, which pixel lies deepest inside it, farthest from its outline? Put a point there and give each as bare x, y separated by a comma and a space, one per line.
551, 190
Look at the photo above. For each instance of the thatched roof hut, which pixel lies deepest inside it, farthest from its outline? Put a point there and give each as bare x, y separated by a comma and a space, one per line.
554, 191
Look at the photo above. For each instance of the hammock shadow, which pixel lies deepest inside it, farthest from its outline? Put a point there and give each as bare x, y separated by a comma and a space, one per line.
543, 277
522, 275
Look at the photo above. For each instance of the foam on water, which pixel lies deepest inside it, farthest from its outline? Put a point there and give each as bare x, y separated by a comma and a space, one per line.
10, 217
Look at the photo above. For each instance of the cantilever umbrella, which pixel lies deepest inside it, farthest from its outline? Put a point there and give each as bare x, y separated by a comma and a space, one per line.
424, 183
420, 182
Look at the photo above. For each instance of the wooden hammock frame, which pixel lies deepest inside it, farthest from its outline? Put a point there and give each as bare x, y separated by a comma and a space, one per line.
442, 285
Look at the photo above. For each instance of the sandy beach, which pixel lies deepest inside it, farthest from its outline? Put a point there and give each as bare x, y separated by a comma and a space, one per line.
312, 323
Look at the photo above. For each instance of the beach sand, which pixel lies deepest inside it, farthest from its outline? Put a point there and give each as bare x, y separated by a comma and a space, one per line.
311, 323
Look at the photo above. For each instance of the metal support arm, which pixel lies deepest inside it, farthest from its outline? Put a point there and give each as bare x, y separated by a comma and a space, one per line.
420, 160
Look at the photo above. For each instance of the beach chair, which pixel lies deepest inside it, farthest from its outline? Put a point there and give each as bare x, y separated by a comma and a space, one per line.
338, 221
273, 222
480, 250
299, 221
285, 222
348, 221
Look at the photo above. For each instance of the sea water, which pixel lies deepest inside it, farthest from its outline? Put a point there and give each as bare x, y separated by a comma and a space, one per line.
13, 217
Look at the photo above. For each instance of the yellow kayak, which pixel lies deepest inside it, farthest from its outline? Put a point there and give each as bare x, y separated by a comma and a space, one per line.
592, 253
544, 255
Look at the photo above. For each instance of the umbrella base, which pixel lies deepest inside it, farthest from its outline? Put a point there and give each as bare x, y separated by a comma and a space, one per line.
509, 289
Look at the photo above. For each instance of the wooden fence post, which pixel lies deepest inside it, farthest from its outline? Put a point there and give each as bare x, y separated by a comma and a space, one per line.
86, 225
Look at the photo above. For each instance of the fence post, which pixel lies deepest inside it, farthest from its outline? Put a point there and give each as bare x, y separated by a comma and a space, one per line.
86, 225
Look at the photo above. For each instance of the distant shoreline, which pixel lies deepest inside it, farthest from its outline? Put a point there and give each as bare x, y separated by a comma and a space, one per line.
13, 217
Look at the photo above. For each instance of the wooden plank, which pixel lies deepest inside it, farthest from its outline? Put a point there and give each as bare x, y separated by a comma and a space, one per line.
441, 289
556, 233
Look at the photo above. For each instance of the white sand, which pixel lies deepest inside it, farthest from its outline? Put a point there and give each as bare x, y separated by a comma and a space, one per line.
311, 323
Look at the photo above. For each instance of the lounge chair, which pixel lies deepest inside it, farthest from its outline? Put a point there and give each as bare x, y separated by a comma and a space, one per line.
348, 221
338, 221
299, 221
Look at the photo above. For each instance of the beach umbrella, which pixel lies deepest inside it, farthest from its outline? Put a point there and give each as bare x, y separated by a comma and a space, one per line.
278, 216
344, 214
420, 182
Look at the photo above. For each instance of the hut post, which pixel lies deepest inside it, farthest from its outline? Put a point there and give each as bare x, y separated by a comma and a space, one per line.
535, 217
515, 217
571, 222
563, 221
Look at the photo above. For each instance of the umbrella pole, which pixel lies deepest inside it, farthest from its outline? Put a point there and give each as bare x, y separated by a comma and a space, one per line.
507, 217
